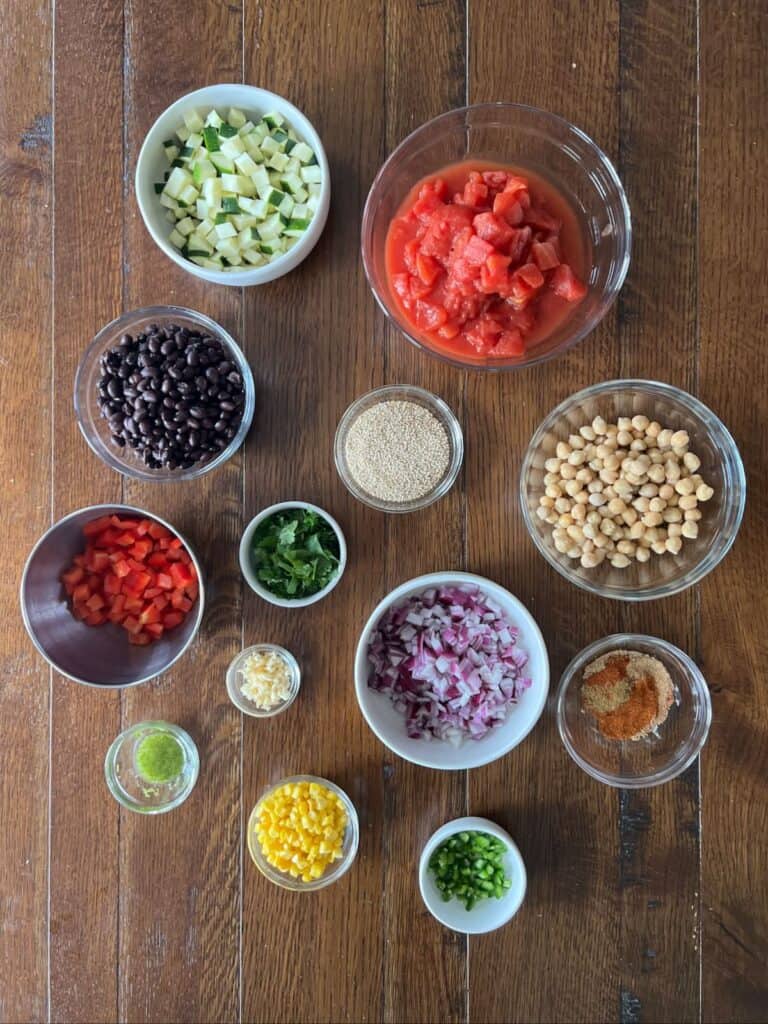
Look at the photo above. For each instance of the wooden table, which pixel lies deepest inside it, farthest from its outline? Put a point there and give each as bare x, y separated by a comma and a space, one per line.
644, 906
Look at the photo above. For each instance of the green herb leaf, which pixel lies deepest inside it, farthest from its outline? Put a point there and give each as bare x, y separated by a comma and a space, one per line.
295, 553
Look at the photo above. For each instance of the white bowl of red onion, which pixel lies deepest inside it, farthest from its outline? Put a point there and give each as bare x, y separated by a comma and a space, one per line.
451, 671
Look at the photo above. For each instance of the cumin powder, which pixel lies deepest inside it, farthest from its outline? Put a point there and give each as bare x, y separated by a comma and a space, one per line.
629, 694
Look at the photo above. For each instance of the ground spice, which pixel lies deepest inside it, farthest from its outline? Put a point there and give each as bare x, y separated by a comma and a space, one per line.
629, 694
397, 451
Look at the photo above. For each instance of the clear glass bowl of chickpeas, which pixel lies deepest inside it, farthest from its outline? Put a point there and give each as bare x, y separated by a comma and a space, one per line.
632, 489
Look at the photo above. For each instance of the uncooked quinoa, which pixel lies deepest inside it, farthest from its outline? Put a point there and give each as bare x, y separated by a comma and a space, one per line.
397, 451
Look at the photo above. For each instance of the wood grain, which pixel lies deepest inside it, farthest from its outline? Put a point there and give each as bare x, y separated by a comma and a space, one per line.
318, 957
25, 318
734, 600
659, 829
179, 951
564, 823
431, 986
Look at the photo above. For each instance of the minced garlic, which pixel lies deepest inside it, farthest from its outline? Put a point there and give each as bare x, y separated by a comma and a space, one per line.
266, 679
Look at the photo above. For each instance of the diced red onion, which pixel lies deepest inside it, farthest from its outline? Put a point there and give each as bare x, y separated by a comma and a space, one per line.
449, 661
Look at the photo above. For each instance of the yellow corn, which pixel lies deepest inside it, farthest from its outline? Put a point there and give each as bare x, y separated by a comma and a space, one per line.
300, 828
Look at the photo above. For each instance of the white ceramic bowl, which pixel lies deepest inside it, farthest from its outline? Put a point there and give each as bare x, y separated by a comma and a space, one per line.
152, 163
245, 556
389, 725
486, 915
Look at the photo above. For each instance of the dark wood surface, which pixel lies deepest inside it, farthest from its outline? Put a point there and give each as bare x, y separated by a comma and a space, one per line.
646, 906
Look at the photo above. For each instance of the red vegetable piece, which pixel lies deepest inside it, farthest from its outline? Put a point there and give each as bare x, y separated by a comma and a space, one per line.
155, 629
132, 624
157, 531
141, 549
121, 568
545, 255
565, 284
96, 526
140, 639
427, 268
492, 229
96, 618
430, 317
172, 619
72, 576
510, 343
538, 218
477, 251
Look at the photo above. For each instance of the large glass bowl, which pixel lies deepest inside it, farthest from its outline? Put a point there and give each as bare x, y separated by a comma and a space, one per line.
721, 467
519, 136
334, 872
656, 758
95, 428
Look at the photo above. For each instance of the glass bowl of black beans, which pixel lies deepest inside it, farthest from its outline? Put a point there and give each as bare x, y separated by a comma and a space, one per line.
164, 393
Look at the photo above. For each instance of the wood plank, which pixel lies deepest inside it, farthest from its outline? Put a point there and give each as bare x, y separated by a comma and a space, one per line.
25, 372
318, 957
179, 950
734, 601
88, 255
432, 985
566, 60
659, 828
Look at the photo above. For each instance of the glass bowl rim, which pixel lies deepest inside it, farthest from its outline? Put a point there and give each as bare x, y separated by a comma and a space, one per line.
701, 724
728, 451
186, 741
366, 233
339, 868
245, 704
443, 413
121, 323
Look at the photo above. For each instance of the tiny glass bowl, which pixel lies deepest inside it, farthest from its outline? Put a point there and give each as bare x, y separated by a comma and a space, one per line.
488, 914
516, 136
135, 792
400, 393
334, 872
656, 758
721, 468
95, 429
234, 687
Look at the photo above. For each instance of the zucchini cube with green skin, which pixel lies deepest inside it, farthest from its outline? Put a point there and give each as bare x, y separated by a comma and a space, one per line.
189, 195
177, 239
227, 247
286, 206
273, 120
248, 238
212, 191
245, 165
247, 128
171, 151
213, 119
269, 147
242, 221
227, 131
233, 147
303, 153
178, 181
196, 242
236, 117
194, 140
271, 228
253, 257
278, 161
311, 174
252, 149
224, 164
238, 184
183, 133
186, 226
202, 170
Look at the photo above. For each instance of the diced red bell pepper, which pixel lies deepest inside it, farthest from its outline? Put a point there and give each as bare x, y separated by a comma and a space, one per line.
81, 593
157, 531
180, 602
165, 581
155, 629
141, 549
96, 618
72, 576
121, 568
140, 639
150, 614
132, 624
172, 619
96, 526
143, 527
94, 602
136, 582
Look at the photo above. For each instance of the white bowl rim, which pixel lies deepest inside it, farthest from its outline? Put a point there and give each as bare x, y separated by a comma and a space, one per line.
243, 703
441, 579
607, 387
626, 640
474, 824
284, 264
131, 509
253, 583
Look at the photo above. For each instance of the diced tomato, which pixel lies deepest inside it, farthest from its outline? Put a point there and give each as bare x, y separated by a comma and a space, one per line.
565, 284
96, 526
140, 639
538, 218
410, 252
545, 255
435, 187
72, 576
508, 206
424, 208
510, 343
477, 251
429, 317
531, 274
475, 191
448, 330
495, 179
419, 290
493, 229
172, 619
482, 335
519, 243
427, 268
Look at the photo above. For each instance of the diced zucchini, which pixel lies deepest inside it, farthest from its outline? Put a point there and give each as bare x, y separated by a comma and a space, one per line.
205, 227
212, 192
177, 182
168, 202
211, 139
301, 212
230, 205
245, 165
171, 151
183, 133
227, 131
247, 128
238, 184
233, 147
273, 120
227, 247
261, 131
252, 148
279, 161
193, 121
189, 195
243, 220
296, 227
224, 164
291, 182
196, 242
202, 170
253, 257
177, 239
248, 238
186, 226
286, 206
271, 228
269, 147
214, 120
195, 140
225, 230
312, 174
303, 152
301, 195
314, 188
236, 117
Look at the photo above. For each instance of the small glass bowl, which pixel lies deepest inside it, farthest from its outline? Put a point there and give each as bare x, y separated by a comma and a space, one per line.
400, 393
134, 792
238, 698
721, 468
336, 870
656, 758
95, 428
510, 135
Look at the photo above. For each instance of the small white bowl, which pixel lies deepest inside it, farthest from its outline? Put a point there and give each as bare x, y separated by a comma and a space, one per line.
239, 699
389, 725
489, 914
152, 163
245, 556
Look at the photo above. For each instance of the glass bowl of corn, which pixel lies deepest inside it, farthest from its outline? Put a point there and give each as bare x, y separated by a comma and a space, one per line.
303, 833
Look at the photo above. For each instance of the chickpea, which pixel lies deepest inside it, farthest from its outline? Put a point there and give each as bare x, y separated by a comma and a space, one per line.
572, 487
616, 506
619, 561
552, 492
551, 478
656, 473
602, 451
656, 457
567, 471
666, 491
562, 450
552, 518
649, 491
692, 515
633, 479
574, 532
562, 545
559, 533
642, 505
612, 462
690, 530
582, 497
630, 516
600, 540
637, 530
608, 527
553, 465
608, 476
597, 500
671, 471
640, 423
685, 486
590, 559
546, 502
626, 547
652, 519
595, 487
624, 438
599, 425
638, 445
579, 513
576, 458
680, 439
595, 465
593, 516
659, 547
611, 430
653, 429
642, 554
589, 531
704, 492
585, 475
623, 488
673, 544
673, 515
691, 462
657, 505
562, 504
542, 512
664, 439
674, 530
688, 501
679, 452
588, 433
564, 520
